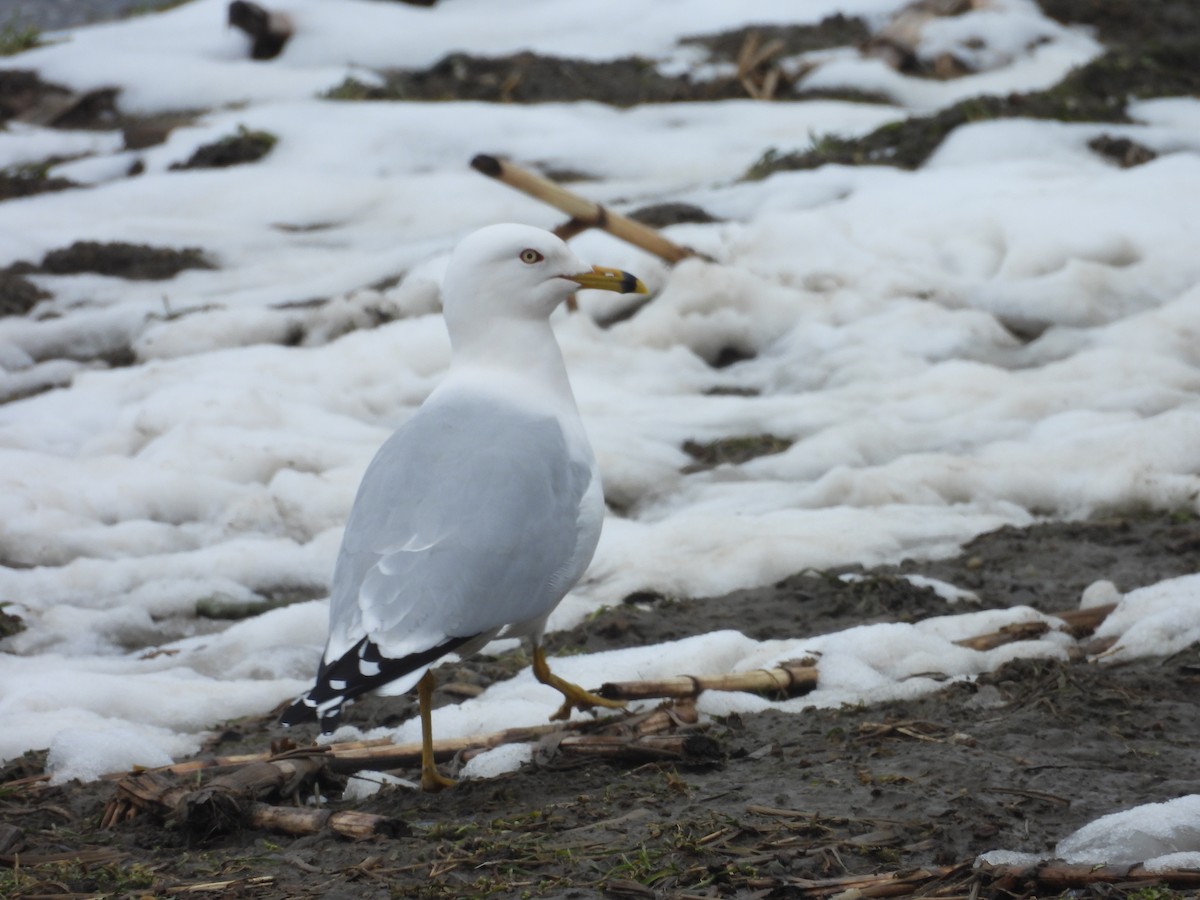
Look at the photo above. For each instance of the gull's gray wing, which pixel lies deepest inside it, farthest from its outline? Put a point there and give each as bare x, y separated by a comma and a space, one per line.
466, 520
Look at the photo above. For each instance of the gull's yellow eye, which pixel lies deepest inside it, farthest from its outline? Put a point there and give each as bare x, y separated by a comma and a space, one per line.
531, 256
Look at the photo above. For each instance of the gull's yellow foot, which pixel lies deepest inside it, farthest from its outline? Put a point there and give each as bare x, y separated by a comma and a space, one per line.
574, 697
431, 779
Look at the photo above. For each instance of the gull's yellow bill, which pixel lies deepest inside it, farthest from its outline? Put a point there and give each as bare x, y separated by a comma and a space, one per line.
602, 278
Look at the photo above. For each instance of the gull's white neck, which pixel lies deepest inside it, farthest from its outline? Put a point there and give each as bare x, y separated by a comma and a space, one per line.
516, 353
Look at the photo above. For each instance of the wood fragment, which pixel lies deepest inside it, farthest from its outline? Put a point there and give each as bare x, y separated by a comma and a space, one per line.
1032, 795
913, 728
584, 213
753, 56
213, 887
348, 823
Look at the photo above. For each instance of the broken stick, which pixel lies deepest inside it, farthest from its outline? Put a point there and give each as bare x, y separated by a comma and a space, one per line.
584, 213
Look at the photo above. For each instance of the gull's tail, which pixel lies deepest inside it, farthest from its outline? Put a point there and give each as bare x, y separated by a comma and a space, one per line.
360, 670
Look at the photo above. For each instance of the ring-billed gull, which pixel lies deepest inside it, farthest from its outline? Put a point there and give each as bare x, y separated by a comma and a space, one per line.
479, 514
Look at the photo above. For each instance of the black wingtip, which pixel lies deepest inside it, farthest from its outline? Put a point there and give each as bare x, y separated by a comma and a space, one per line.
298, 713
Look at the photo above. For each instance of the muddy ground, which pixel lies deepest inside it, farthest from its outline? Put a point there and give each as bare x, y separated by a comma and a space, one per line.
769, 805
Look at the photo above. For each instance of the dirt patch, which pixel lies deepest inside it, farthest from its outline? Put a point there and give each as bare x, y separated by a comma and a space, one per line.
237, 149
21, 90
732, 450
1122, 151
1016, 760
18, 294
533, 78
27, 180
663, 215
1152, 53
25, 97
139, 262
9, 624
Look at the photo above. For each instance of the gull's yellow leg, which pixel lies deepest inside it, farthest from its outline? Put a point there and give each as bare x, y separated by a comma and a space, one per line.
574, 697
431, 778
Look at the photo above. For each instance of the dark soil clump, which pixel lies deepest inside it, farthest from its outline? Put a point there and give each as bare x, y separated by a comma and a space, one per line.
532, 78
18, 294
24, 96
663, 215
21, 90
1122, 151
244, 147
732, 451
25, 181
139, 262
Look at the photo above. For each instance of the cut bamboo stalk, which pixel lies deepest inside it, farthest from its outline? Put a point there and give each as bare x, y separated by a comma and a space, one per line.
790, 678
393, 756
208, 762
584, 213
645, 748
217, 762
1080, 623
1009, 634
